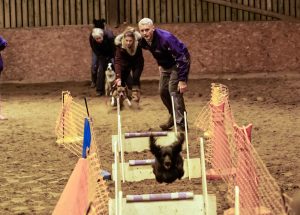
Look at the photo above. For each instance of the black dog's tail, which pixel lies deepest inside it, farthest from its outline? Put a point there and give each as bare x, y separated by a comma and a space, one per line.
155, 149
177, 145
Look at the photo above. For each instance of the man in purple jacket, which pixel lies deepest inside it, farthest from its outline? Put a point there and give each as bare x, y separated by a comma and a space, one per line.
173, 60
3, 44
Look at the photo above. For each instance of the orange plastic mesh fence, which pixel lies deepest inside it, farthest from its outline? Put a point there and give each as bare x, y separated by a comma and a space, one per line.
215, 120
69, 131
233, 158
98, 193
258, 189
97, 188
70, 124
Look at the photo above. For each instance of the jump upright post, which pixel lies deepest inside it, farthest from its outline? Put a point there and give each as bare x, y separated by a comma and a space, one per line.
120, 145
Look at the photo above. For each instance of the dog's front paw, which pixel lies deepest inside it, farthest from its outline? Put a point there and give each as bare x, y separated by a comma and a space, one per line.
159, 179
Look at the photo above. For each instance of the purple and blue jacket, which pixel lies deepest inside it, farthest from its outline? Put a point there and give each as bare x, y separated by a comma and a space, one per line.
3, 44
168, 52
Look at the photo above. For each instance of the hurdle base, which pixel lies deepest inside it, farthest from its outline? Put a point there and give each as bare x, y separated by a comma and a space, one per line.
106, 175
139, 173
174, 207
211, 174
257, 211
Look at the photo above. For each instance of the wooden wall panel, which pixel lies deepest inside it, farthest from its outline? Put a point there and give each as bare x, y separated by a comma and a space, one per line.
293, 8
78, 12
24, 13
36, 13
6, 14
157, 11
139, 10
18, 12
55, 12
49, 12
2, 14
199, 11
298, 9
43, 12
13, 20
187, 11
175, 11
128, 11
102, 9
216, 13
193, 11
246, 13
163, 11
90, 11
181, 10
228, 12
169, 11
73, 12
61, 20
122, 11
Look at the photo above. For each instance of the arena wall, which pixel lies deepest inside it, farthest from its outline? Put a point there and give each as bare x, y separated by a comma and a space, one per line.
50, 54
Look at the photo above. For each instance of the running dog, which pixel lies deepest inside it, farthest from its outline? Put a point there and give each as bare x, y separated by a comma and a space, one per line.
168, 165
121, 93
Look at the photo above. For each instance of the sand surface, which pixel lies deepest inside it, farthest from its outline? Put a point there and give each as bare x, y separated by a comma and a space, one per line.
34, 170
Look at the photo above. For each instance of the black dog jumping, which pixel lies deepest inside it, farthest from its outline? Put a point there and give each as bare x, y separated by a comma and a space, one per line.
168, 165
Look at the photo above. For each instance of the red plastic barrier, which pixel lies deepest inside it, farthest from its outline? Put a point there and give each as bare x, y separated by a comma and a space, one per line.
246, 177
74, 199
221, 155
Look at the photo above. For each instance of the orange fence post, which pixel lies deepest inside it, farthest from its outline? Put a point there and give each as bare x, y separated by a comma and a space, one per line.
246, 177
222, 165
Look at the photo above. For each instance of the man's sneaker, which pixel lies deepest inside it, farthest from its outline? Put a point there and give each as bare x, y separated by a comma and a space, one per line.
169, 124
181, 127
98, 93
93, 85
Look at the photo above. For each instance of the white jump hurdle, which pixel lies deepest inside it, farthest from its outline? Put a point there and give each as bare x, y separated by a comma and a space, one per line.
139, 144
192, 206
142, 172
145, 134
159, 197
162, 203
141, 162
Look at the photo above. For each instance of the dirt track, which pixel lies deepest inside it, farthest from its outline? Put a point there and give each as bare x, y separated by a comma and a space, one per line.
34, 170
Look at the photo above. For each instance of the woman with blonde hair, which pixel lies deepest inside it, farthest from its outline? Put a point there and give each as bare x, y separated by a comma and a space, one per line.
129, 61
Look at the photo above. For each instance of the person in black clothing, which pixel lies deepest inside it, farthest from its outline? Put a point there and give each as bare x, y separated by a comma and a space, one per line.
129, 61
3, 44
103, 51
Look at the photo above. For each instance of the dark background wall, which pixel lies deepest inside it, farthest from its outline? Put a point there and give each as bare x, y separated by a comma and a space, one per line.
50, 54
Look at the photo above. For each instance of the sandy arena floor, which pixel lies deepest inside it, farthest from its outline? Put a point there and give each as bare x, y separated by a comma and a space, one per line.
34, 170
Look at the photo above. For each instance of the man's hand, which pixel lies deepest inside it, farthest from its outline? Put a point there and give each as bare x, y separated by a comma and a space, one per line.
118, 82
182, 86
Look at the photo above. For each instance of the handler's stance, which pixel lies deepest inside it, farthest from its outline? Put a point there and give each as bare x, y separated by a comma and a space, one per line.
129, 61
173, 59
